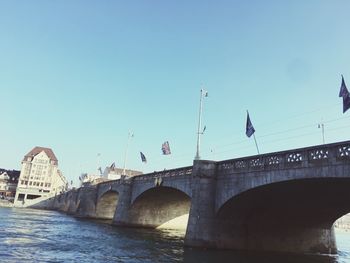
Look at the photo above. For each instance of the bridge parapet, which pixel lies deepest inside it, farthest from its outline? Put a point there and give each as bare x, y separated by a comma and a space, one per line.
110, 182
166, 173
303, 157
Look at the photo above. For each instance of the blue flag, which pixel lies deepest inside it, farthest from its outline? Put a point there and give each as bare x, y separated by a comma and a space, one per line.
346, 103
345, 94
166, 148
143, 158
249, 129
343, 90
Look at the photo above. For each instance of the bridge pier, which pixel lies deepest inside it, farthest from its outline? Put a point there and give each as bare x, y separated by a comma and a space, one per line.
85, 202
121, 215
201, 222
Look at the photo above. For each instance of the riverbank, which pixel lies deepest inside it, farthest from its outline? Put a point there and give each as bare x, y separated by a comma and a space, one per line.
5, 203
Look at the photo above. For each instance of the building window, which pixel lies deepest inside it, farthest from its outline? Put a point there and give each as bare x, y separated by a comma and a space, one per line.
20, 197
32, 196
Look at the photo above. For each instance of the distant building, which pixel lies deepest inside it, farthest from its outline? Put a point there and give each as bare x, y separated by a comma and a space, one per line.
90, 179
110, 173
8, 183
114, 173
40, 177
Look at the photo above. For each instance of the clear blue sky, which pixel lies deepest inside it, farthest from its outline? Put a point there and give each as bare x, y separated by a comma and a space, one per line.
75, 76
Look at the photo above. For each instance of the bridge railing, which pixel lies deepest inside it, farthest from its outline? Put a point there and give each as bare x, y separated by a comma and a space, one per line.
156, 174
166, 173
303, 157
115, 181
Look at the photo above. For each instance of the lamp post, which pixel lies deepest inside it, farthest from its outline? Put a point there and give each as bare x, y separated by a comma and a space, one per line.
203, 94
130, 135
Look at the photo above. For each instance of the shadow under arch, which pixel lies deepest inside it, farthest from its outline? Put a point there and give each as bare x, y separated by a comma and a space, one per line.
106, 205
160, 207
295, 215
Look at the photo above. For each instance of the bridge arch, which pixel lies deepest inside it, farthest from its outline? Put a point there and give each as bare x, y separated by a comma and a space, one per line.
161, 207
106, 204
295, 214
182, 185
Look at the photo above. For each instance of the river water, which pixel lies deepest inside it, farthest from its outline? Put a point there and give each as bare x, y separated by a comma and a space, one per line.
28, 235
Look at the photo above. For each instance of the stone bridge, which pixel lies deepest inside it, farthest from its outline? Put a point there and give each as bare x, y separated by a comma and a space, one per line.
284, 201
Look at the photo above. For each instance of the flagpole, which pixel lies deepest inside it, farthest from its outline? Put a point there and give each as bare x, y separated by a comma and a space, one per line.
321, 125
256, 144
130, 134
98, 161
323, 133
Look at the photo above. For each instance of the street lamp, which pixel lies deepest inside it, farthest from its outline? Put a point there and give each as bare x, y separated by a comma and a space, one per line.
204, 93
130, 135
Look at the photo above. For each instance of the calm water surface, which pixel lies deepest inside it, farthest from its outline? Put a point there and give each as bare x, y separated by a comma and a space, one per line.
28, 235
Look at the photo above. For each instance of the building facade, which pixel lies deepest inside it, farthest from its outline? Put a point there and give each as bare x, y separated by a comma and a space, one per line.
40, 177
8, 183
109, 173
114, 173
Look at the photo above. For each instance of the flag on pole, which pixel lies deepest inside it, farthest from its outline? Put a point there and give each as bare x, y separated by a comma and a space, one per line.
166, 148
345, 94
343, 90
346, 103
143, 158
249, 129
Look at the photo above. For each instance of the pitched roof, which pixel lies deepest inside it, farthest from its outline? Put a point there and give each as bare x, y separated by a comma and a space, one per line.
11, 173
36, 150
